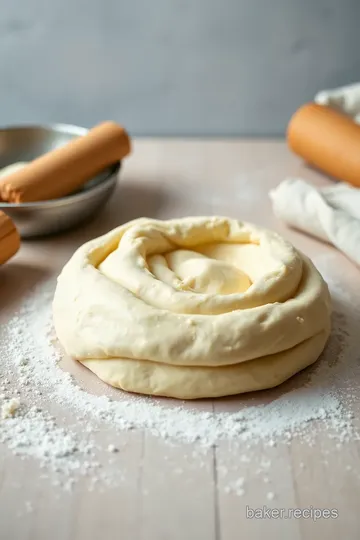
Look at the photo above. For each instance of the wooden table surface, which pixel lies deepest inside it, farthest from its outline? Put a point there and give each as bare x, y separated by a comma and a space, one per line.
163, 179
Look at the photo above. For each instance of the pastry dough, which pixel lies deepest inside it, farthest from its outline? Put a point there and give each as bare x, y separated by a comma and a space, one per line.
191, 308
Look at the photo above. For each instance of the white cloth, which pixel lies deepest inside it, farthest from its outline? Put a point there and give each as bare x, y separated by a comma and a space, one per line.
344, 98
331, 213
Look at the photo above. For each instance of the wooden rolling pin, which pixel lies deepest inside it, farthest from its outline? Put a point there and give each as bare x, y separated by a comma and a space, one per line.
327, 139
67, 168
9, 238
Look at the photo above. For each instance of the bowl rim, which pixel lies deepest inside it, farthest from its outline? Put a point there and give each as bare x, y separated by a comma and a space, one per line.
51, 126
59, 128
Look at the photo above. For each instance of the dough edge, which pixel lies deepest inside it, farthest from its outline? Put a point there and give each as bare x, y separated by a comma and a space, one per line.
183, 382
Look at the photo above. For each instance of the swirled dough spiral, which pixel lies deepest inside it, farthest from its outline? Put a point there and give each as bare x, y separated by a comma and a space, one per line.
192, 308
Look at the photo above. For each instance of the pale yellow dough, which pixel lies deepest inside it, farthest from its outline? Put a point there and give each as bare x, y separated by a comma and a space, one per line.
192, 308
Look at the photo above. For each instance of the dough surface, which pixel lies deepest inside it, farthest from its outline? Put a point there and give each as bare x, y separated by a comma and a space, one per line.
192, 308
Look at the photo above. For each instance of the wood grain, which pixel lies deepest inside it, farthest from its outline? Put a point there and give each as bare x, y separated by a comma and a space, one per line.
168, 492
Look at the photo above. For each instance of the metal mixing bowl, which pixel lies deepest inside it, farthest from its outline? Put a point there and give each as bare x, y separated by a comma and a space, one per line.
25, 143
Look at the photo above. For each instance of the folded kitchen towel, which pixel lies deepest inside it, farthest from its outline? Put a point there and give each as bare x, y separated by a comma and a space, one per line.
331, 214
345, 99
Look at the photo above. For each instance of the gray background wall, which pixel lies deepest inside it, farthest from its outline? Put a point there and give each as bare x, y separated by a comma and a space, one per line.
173, 67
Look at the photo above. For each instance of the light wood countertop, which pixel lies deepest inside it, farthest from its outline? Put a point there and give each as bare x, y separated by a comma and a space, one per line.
164, 179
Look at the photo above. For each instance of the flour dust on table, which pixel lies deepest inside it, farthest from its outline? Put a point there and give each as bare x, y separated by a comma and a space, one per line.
56, 422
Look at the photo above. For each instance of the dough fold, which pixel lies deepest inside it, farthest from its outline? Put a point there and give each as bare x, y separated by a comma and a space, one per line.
191, 308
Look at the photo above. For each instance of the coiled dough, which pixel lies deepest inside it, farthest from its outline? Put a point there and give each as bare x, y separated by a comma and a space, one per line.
191, 308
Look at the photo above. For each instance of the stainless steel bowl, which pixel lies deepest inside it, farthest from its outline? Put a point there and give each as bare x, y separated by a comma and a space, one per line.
25, 143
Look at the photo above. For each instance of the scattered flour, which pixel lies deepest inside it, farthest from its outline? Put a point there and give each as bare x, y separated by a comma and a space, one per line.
9, 408
29, 358
236, 487
35, 433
